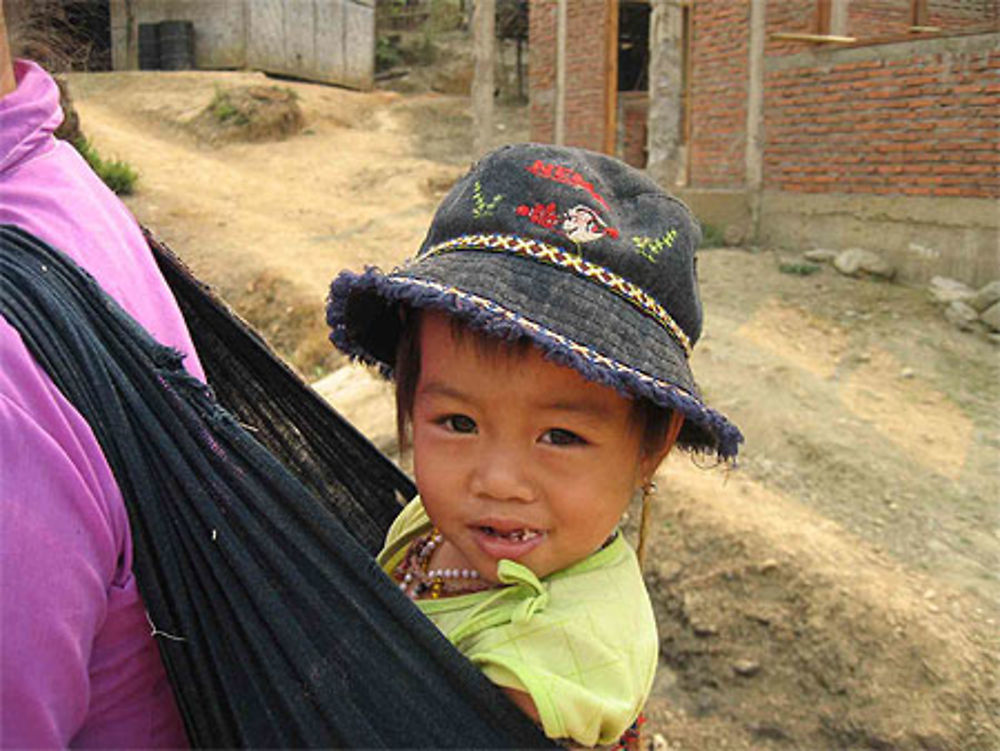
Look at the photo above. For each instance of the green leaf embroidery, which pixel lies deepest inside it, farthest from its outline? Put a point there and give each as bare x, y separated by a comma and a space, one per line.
482, 207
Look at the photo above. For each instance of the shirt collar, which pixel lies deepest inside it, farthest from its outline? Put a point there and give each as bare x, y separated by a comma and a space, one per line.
28, 115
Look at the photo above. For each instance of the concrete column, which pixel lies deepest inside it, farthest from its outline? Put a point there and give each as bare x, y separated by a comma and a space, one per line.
483, 25
124, 35
755, 114
666, 79
838, 17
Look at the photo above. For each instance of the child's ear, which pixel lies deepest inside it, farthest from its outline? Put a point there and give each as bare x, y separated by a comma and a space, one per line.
651, 462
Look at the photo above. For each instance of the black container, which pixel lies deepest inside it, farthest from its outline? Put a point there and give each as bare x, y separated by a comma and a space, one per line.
149, 46
176, 45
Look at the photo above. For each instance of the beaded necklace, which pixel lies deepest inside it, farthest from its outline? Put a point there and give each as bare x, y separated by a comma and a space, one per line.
419, 581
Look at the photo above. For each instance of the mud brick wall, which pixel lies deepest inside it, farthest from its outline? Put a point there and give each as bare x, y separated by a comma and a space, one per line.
586, 89
718, 91
924, 124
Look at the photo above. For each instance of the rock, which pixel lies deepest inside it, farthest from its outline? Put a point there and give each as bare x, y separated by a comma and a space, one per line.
768, 731
669, 571
820, 255
704, 629
991, 316
746, 668
860, 262
960, 315
906, 373
659, 743
987, 297
944, 290
768, 566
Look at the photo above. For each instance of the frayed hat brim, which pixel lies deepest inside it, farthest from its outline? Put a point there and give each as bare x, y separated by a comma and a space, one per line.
363, 314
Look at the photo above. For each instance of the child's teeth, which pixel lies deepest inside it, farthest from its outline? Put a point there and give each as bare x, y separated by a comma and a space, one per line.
523, 534
518, 535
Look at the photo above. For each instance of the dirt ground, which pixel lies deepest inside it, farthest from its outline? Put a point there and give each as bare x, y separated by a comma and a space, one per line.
839, 589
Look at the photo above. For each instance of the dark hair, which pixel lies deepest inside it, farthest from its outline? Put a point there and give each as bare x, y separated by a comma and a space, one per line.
652, 419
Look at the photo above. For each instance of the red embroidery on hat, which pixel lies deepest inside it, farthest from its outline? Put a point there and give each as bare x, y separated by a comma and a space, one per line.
566, 176
542, 214
581, 224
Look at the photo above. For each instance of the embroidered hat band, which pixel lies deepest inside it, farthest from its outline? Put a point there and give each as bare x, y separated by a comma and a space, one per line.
580, 253
559, 257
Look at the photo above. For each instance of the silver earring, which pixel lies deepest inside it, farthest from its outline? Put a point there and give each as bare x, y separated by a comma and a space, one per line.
648, 490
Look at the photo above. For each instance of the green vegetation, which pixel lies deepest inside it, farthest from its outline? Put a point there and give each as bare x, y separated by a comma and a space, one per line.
387, 52
117, 175
798, 269
712, 236
225, 111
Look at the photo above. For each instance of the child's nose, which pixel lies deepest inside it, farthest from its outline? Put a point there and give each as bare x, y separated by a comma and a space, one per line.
503, 476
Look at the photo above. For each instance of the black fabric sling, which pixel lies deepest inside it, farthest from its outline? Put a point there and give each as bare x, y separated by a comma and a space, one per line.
276, 627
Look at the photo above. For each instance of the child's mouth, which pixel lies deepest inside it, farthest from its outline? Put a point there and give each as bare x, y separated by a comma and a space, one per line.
508, 543
514, 535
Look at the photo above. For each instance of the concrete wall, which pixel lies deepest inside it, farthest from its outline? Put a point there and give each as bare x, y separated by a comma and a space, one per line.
324, 40
728, 210
923, 237
220, 30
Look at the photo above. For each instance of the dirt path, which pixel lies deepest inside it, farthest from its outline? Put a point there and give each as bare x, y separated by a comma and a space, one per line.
839, 590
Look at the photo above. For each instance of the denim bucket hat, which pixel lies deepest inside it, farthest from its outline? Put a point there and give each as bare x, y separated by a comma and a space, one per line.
580, 253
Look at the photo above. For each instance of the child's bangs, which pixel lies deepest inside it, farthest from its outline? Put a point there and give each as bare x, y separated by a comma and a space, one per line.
650, 419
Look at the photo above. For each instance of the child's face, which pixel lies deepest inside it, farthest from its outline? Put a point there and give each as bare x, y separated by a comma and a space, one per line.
517, 457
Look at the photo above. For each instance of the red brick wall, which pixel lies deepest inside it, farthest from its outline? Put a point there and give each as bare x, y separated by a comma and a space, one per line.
718, 90
633, 113
964, 15
870, 19
926, 125
789, 16
876, 19
586, 90
542, 70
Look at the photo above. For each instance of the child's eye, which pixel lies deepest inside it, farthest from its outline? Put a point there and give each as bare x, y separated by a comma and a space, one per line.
560, 437
459, 423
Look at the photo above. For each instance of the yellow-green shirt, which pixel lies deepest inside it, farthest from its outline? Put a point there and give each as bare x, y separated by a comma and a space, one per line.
582, 641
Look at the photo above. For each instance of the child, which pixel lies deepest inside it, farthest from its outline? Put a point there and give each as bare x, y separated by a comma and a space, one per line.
539, 342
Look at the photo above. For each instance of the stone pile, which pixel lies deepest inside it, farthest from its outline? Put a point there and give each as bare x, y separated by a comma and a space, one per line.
966, 308
854, 262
